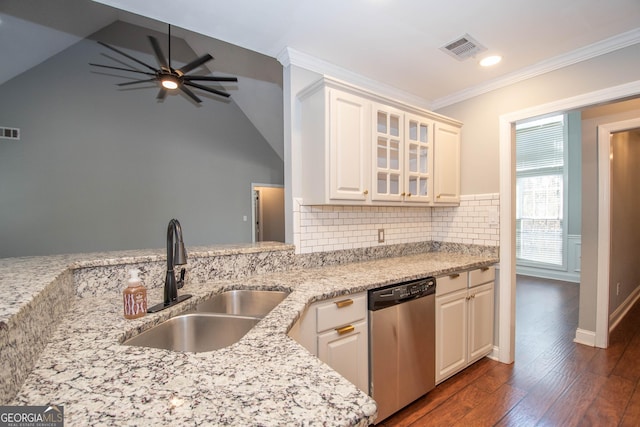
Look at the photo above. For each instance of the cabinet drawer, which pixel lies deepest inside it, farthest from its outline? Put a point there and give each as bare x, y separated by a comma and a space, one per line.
481, 275
341, 311
451, 282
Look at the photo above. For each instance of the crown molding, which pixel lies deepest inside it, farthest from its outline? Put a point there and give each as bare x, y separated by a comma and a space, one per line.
591, 51
289, 56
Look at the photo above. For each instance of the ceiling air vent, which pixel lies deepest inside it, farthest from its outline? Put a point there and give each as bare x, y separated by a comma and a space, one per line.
463, 47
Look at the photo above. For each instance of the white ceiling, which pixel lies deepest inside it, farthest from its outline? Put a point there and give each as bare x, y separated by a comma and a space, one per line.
395, 42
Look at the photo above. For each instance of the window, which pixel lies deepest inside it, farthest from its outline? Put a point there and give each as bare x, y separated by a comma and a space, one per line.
540, 192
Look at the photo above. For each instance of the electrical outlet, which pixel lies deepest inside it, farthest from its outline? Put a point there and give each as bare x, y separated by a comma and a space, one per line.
380, 235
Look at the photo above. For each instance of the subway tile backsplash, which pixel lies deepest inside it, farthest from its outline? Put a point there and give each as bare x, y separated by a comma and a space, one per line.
332, 228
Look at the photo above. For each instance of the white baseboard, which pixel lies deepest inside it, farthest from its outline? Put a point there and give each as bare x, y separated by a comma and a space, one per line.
585, 337
621, 311
494, 353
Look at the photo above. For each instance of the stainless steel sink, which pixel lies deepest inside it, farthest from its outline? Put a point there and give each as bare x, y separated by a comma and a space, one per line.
242, 302
195, 332
213, 324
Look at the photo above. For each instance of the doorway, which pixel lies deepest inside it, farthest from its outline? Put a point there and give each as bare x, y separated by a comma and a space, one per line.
268, 213
507, 274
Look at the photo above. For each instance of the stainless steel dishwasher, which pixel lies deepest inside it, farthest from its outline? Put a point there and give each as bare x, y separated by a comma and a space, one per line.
401, 343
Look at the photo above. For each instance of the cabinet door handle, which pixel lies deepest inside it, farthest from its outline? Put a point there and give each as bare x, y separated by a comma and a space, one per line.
438, 196
454, 276
345, 329
484, 268
403, 194
344, 303
365, 192
408, 194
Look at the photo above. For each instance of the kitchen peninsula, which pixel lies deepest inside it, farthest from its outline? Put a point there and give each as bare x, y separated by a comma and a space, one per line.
266, 378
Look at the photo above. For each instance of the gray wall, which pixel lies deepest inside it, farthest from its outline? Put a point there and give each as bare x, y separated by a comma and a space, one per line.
574, 171
101, 168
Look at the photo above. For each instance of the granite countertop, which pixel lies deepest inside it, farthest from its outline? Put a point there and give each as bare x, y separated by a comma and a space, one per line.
264, 379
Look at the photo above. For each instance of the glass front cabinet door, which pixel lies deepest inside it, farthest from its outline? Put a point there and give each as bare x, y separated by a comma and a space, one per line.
389, 151
418, 165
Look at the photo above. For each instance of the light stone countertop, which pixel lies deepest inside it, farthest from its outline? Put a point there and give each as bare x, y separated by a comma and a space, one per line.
264, 379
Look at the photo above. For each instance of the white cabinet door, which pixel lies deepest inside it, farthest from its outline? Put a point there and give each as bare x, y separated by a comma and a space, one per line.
451, 334
388, 153
349, 146
346, 351
418, 159
480, 321
446, 167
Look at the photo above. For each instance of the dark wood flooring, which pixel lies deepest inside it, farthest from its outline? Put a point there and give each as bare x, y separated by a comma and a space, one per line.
553, 382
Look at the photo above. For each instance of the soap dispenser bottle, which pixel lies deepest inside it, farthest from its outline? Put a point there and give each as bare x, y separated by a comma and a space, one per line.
134, 296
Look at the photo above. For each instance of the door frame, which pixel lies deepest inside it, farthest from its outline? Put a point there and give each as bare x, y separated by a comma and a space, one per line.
507, 273
253, 206
604, 219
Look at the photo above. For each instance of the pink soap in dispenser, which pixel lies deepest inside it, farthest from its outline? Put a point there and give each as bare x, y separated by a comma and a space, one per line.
134, 296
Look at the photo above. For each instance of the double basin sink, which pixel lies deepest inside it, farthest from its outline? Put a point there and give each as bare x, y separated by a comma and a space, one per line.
212, 324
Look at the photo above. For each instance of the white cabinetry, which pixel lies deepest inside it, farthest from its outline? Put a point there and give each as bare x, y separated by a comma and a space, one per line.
402, 155
336, 129
358, 148
447, 164
464, 320
336, 332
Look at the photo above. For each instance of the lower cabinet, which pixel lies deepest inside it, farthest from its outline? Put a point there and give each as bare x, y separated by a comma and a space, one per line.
336, 331
464, 320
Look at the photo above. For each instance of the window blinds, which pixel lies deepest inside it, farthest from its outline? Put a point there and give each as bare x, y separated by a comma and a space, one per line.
540, 192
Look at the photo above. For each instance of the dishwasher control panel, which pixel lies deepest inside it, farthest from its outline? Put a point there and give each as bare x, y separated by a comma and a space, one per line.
397, 293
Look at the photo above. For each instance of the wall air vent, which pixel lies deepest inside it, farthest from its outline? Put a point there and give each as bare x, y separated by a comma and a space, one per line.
9, 133
463, 47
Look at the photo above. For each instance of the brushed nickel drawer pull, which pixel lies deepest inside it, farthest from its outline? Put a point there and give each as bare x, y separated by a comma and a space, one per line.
345, 329
344, 303
454, 276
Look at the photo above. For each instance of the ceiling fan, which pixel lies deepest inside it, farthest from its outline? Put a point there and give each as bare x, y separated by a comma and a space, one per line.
166, 76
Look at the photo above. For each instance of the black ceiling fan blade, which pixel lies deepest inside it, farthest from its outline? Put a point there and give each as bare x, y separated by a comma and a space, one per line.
208, 89
122, 69
195, 63
211, 78
162, 60
161, 94
128, 56
190, 94
137, 81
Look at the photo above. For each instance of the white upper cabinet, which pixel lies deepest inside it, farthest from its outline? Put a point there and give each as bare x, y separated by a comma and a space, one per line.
358, 148
447, 164
336, 135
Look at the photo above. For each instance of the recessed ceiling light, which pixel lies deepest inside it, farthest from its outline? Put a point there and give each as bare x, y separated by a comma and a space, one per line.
490, 60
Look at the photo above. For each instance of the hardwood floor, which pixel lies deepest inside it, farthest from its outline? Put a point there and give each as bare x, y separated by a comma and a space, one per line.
553, 382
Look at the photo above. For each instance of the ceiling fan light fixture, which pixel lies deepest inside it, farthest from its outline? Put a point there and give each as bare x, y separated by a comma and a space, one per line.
168, 77
169, 82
